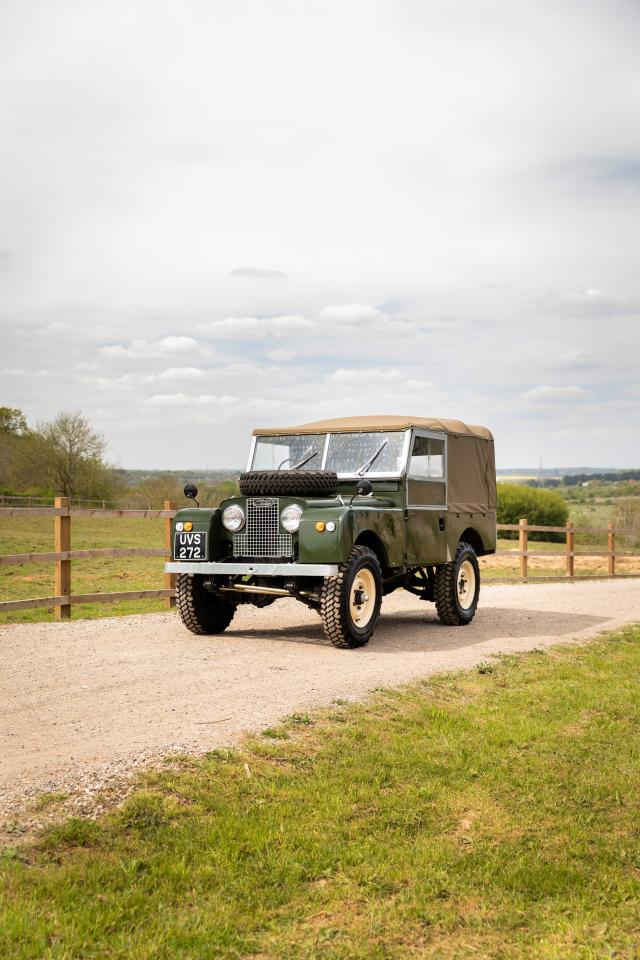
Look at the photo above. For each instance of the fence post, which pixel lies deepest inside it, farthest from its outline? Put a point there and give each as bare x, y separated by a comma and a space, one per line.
571, 545
169, 578
62, 531
524, 547
611, 547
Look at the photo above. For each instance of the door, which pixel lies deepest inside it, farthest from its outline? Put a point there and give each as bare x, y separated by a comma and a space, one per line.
426, 513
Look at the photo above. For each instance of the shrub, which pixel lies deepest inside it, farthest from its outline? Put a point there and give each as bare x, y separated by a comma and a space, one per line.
544, 508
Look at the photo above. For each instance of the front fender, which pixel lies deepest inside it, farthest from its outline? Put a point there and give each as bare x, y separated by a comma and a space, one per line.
206, 519
324, 546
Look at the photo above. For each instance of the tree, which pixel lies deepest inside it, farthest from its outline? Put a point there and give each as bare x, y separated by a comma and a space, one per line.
13, 422
70, 455
15, 445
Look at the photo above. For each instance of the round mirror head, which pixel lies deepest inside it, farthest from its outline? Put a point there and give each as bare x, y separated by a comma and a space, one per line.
190, 491
364, 488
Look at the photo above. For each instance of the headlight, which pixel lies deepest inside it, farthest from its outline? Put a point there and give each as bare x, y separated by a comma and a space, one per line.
290, 517
233, 518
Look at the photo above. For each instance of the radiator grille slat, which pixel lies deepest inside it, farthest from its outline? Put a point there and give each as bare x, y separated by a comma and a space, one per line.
261, 535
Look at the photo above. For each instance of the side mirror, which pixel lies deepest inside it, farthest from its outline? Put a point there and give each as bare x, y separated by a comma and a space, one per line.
191, 492
364, 488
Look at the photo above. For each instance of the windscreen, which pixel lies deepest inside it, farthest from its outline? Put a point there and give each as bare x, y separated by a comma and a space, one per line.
286, 452
352, 452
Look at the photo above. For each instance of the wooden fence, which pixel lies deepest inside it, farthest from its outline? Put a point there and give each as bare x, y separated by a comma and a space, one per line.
62, 555
524, 528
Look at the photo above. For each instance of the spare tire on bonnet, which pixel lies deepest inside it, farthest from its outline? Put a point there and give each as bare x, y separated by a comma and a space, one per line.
300, 483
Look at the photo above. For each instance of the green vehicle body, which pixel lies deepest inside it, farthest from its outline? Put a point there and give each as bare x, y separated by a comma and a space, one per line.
397, 520
402, 537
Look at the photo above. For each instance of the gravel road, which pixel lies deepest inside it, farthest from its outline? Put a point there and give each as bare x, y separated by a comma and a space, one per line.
84, 704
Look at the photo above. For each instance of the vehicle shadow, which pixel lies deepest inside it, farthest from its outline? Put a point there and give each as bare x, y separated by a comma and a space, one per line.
420, 630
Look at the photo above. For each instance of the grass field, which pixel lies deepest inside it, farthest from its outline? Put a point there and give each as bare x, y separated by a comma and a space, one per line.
491, 814
35, 534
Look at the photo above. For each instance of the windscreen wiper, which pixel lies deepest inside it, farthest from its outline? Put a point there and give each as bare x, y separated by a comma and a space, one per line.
369, 463
300, 463
305, 459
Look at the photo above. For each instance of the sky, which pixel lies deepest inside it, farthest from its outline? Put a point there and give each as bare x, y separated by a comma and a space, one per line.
216, 216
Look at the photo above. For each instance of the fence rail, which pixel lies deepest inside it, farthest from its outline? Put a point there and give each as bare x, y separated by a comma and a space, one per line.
524, 528
62, 555
63, 599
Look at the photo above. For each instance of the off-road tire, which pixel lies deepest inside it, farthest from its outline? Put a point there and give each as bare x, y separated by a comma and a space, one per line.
200, 611
337, 621
296, 483
450, 610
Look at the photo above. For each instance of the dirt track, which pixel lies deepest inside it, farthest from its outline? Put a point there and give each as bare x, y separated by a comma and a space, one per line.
83, 702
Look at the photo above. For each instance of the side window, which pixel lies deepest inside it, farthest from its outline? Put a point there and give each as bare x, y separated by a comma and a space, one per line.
436, 459
419, 465
427, 459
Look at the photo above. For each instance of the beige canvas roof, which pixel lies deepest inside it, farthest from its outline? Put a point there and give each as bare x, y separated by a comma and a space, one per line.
375, 424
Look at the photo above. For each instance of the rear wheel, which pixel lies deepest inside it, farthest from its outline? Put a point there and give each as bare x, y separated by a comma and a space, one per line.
457, 587
350, 602
200, 611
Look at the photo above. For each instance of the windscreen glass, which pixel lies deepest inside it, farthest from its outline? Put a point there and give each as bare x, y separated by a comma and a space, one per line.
351, 452
286, 452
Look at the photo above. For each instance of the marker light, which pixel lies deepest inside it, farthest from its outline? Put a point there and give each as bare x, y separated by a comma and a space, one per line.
331, 525
188, 526
320, 526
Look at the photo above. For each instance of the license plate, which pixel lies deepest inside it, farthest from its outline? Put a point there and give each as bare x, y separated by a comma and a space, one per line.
190, 546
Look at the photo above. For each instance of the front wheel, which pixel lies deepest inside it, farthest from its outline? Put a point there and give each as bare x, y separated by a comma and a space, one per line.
200, 611
457, 587
350, 602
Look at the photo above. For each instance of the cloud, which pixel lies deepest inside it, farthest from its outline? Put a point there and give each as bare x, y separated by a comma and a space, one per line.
556, 394
177, 344
377, 374
118, 350
18, 372
331, 322
350, 313
143, 348
255, 273
418, 269
182, 373
183, 400
598, 303
621, 171
239, 327
578, 360
282, 354
358, 318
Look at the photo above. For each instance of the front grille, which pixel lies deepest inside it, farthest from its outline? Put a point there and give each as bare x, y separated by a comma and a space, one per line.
261, 535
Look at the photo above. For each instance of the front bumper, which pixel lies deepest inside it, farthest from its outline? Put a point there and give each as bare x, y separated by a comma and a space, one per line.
256, 569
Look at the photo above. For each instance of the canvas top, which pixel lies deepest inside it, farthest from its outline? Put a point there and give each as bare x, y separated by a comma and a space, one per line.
376, 424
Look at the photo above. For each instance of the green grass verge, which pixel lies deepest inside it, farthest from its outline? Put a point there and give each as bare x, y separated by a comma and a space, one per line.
488, 814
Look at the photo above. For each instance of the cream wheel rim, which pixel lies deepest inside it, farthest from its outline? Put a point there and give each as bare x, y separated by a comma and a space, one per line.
466, 584
362, 597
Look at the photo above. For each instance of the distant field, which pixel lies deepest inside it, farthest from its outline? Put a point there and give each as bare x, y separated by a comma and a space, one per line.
35, 534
